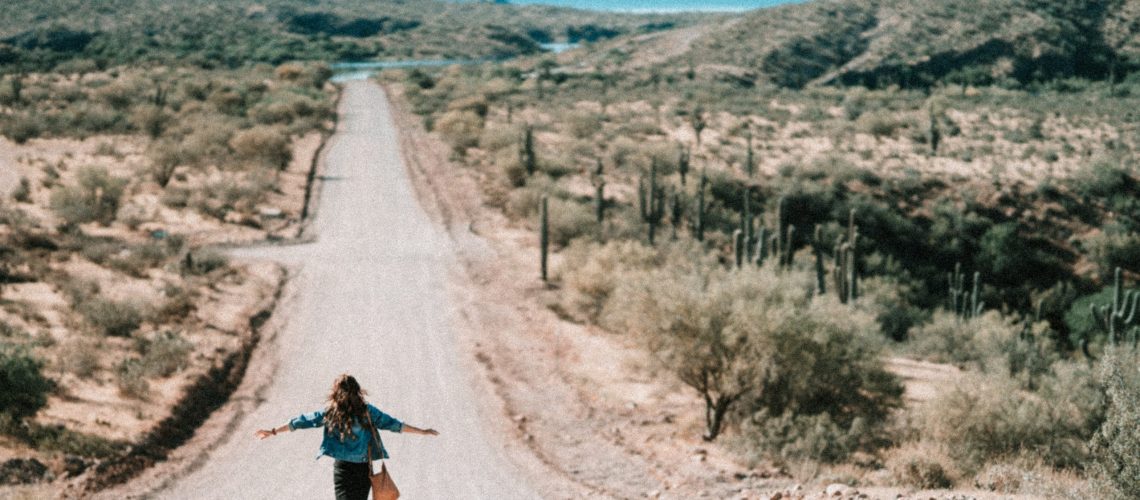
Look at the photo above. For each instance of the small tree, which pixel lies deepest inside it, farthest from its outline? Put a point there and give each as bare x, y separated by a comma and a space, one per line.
1116, 446
23, 387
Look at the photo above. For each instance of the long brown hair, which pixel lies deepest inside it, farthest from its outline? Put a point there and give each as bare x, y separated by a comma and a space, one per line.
346, 404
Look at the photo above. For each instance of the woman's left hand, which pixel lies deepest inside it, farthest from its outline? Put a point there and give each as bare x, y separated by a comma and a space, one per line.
262, 433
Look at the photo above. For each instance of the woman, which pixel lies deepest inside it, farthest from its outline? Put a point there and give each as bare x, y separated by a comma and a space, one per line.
347, 435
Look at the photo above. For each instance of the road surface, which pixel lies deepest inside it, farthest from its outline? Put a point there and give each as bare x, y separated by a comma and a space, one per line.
371, 301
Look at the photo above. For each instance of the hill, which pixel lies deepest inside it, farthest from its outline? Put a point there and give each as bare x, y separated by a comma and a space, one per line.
878, 43
38, 35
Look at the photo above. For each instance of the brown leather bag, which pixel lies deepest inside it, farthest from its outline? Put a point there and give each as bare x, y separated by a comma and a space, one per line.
383, 488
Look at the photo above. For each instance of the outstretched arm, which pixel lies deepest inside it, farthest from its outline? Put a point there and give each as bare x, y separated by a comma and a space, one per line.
263, 433
416, 430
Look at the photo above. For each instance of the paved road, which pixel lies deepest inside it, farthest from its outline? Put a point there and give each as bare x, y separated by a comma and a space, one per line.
372, 301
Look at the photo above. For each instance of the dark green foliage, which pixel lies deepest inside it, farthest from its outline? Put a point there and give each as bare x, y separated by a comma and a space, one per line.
651, 202
23, 387
699, 229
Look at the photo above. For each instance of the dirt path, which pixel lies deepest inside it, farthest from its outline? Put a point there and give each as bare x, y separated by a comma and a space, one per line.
372, 300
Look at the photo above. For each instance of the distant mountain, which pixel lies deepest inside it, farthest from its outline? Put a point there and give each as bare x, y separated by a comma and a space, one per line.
914, 43
39, 34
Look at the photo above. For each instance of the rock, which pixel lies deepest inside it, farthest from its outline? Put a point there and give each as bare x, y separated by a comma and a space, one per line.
22, 471
270, 212
654, 494
838, 490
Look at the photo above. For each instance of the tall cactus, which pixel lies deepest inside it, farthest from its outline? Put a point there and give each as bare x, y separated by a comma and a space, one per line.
787, 253
544, 236
965, 304
699, 230
781, 231
746, 222
652, 202
749, 160
761, 246
817, 249
600, 200
845, 274
683, 158
527, 155
738, 245
1119, 318
677, 212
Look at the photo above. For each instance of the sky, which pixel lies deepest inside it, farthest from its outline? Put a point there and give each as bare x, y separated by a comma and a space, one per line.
661, 5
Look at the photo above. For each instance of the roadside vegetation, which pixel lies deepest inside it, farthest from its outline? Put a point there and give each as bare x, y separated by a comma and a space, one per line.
110, 307
773, 247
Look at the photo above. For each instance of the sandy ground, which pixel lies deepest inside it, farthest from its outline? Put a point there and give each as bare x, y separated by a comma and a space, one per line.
370, 298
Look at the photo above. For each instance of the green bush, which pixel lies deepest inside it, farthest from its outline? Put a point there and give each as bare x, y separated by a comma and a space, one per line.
95, 197
205, 261
461, 129
570, 220
1116, 445
1113, 250
23, 387
109, 317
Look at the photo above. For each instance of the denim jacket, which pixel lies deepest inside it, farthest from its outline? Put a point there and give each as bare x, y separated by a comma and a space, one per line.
353, 448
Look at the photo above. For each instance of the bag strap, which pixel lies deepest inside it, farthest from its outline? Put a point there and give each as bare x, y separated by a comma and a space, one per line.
376, 436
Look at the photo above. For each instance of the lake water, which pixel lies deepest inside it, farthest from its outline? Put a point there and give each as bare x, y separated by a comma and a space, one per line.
662, 5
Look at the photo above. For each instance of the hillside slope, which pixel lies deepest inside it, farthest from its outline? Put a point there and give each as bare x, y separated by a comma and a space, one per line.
40, 34
916, 43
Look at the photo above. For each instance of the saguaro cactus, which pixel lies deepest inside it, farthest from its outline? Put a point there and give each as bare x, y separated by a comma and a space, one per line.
749, 160
738, 245
700, 223
746, 222
526, 151
965, 304
1119, 319
683, 163
761, 246
544, 235
600, 200
817, 249
652, 200
677, 212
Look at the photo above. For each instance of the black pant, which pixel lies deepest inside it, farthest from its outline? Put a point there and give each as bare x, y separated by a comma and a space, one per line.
351, 480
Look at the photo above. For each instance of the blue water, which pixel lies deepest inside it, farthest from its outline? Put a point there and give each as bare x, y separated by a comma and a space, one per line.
662, 5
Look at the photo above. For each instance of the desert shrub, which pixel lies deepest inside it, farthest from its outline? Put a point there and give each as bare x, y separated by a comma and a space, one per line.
570, 220
592, 271
1001, 477
881, 123
94, 197
501, 138
265, 145
78, 356
136, 260
792, 437
1005, 258
582, 124
755, 337
989, 417
130, 378
461, 129
1101, 179
22, 127
239, 194
110, 317
23, 387
1116, 249
23, 191
165, 156
205, 261
150, 119
178, 305
1116, 445
164, 353
920, 465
